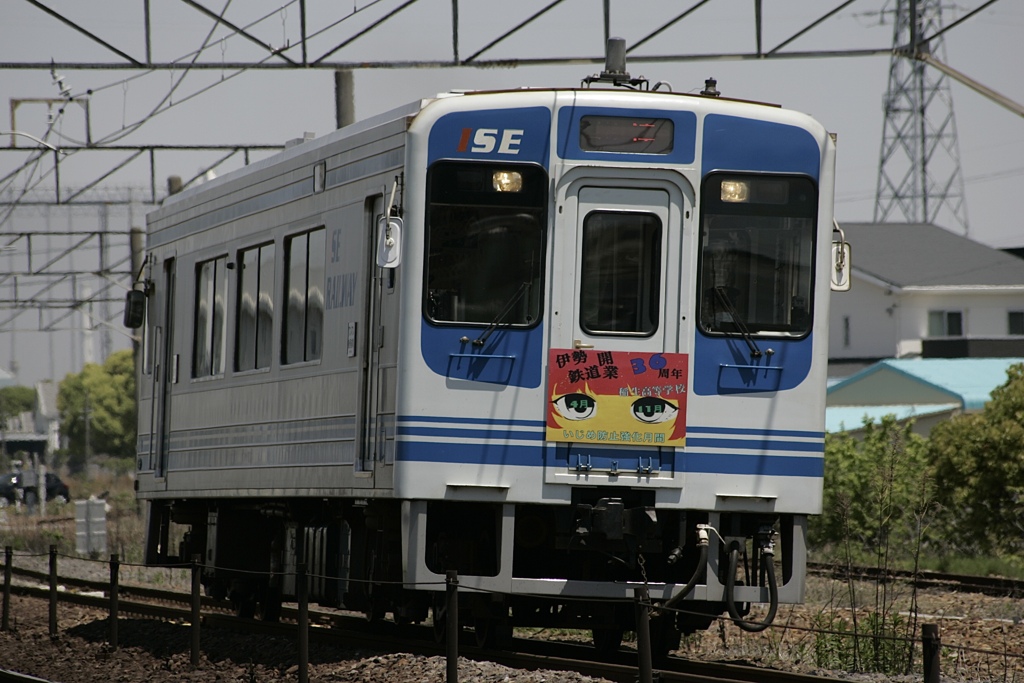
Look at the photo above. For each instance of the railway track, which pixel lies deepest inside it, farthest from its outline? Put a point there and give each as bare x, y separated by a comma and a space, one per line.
987, 585
346, 631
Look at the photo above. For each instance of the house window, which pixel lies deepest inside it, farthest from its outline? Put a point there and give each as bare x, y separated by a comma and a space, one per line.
211, 296
304, 292
945, 324
255, 307
1015, 322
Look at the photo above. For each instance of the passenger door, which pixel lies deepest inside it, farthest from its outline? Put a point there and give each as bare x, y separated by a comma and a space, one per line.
616, 372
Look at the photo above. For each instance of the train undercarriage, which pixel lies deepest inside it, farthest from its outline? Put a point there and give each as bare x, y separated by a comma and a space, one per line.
353, 554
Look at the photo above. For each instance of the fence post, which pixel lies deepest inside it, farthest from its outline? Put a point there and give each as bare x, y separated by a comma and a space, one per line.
931, 644
53, 591
452, 622
8, 558
195, 609
643, 634
302, 588
115, 569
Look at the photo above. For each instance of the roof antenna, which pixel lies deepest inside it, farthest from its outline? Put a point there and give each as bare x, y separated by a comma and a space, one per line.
615, 68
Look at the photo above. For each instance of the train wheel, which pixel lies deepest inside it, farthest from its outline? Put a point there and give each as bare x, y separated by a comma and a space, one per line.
607, 639
374, 612
439, 618
270, 604
245, 607
492, 633
664, 639
243, 599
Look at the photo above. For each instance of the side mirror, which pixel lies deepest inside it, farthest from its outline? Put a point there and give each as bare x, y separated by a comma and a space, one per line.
134, 309
840, 267
389, 242
841, 263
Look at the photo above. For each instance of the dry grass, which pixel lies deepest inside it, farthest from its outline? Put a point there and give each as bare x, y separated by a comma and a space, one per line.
34, 533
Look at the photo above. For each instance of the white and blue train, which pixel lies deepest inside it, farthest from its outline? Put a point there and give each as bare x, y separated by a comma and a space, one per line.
566, 342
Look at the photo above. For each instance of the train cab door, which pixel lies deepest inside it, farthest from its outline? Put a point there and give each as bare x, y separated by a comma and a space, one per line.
618, 306
165, 368
380, 337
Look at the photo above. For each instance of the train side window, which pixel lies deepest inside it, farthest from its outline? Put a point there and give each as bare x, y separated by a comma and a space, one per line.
620, 279
209, 321
304, 291
485, 243
255, 307
756, 255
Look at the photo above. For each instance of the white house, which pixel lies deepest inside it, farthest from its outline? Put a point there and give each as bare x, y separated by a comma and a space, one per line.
920, 290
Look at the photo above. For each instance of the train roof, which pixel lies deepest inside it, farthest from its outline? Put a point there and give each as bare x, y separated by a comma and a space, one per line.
289, 152
411, 110
667, 93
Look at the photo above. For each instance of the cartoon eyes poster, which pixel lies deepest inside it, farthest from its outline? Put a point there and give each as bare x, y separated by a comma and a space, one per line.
617, 397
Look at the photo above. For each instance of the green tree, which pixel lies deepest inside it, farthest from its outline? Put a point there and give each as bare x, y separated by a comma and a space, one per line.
14, 401
876, 490
105, 396
979, 468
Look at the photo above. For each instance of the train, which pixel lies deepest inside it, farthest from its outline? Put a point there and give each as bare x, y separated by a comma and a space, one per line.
565, 342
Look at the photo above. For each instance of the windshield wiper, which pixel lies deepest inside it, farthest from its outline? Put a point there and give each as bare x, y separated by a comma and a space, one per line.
738, 321
497, 322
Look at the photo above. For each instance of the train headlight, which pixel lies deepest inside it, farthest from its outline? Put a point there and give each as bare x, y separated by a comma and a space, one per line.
507, 181
735, 191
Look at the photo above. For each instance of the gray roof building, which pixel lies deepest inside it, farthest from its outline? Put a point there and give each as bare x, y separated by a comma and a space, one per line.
923, 255
920, 290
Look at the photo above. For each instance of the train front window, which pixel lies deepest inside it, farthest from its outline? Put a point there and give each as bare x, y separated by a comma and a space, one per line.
620, 279
485, 243
756, 254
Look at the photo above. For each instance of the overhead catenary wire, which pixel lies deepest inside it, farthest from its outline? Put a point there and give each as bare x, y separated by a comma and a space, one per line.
193, 57
113, 137
160, 107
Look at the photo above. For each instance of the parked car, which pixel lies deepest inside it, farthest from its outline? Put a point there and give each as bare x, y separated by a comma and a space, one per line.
8, 489
11, 489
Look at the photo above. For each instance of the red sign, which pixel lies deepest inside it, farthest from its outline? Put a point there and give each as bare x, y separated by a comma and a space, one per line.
617, 397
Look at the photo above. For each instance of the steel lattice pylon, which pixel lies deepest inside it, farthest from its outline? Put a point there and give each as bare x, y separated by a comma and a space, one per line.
919, 177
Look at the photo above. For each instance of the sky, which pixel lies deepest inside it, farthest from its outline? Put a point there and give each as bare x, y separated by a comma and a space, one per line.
231, 106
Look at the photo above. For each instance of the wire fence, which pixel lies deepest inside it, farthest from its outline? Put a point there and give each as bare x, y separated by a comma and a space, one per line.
927, 647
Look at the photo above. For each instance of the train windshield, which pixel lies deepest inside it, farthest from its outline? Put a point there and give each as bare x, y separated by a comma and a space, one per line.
485, 243
757, 247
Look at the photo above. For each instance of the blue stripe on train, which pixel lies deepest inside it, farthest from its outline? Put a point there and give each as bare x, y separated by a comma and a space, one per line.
759, 445
538, 456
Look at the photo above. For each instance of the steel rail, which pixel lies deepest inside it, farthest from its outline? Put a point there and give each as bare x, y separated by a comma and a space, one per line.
998, 586
342, 630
